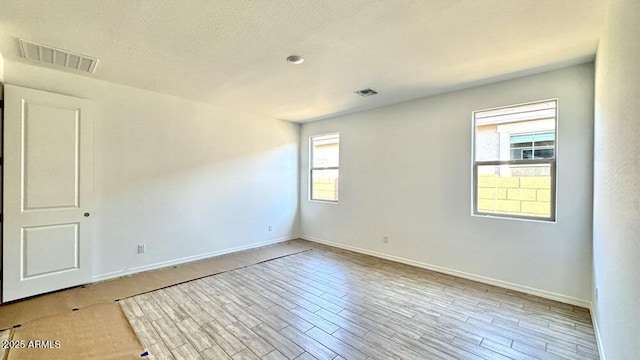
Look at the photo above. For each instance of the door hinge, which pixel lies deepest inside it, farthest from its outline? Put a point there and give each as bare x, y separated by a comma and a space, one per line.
1, 218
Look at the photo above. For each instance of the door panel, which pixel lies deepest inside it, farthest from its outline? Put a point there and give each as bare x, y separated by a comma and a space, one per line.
45, 128
48, 188
47, 250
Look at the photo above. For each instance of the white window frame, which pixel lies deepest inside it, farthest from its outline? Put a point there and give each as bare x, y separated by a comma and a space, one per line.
552, 165
312, 168
533, 143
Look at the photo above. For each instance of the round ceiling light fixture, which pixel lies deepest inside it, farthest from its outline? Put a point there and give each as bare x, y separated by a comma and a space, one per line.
295, 59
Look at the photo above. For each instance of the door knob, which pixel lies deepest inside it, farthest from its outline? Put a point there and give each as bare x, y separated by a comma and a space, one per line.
86, 214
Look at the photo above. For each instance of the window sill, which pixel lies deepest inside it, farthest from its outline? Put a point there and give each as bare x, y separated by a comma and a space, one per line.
323, 201
517, 218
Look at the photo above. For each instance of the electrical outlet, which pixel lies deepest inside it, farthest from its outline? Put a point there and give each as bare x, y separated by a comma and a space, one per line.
141, 248
270, 227
385, 239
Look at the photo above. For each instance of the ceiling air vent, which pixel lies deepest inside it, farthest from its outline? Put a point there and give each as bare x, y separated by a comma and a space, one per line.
366, 92
58, 57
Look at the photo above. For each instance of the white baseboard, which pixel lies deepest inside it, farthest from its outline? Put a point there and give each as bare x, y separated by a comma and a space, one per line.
596, 329
483, 279
163, 264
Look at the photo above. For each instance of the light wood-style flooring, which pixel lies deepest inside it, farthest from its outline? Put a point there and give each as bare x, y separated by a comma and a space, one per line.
328, 303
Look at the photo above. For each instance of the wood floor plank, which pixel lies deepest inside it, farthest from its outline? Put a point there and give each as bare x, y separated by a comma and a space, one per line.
336, 345
588, 352
186, 352
505, 350
324, 304
364, 346
480, 329
345, 304
251, 340
241, 314
306, 356
195, 335
172, 310
308, 344
291, 318
315, 320
284, 345
177, 294
160, 351
295, 280
274, 355
195, 292
169, 333
227, 341
215, 352
149, 307
145, 331
473, 348
570, 352
131, 308
195, 312
534, 351
245, 354
276, 298
268, 317
367, 323
299, 301
342, 322
432, 348
216, 311
404, 351
397, 324
334, 304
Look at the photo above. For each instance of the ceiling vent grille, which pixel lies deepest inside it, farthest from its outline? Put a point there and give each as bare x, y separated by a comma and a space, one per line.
366, 92
58, 57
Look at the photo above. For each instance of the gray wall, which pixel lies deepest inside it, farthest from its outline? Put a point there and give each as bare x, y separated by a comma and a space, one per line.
616, 224
1, 138
406, 172
188, 179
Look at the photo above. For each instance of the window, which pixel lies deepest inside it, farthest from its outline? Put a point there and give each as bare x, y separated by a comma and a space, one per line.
514, 161
324, 169
533, 146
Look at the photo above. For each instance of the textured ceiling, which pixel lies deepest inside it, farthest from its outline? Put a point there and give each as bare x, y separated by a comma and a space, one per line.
232, 52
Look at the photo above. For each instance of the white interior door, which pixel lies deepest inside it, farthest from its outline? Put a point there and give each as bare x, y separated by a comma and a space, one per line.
48, 191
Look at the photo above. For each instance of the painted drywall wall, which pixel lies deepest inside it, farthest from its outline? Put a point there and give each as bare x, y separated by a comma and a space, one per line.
1, 70
187, 179
616, 229
405, 172
1, 97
